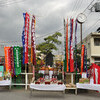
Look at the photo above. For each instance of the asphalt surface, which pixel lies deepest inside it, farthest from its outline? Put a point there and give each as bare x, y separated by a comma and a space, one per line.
44, 95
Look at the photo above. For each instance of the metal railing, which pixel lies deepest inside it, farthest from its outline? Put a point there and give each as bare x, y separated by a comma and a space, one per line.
26, 84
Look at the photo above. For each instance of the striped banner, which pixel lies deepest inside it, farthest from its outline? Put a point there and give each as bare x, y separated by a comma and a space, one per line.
23, 39
33, 45
71, 48
7, 59
67, 46
12, 61
27, 18
82, 59
85, 58
17, 60
76, 45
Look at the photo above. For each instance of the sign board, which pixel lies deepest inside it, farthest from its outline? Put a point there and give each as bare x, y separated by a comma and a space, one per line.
1, 71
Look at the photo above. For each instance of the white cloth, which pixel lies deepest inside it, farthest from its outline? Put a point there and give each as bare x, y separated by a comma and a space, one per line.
88, 86
5, 82
52, 87
91, 80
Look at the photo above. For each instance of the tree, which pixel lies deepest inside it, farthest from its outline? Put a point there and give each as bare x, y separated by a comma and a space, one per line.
50, 44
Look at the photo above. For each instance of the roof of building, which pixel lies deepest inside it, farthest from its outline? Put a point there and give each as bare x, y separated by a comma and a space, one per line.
89, 36
95, 34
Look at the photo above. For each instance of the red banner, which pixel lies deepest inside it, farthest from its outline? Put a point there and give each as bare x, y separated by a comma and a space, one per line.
82, 58
27, 18
96, 75
71, 49
67, 46
7, 59
12, 61
94, 72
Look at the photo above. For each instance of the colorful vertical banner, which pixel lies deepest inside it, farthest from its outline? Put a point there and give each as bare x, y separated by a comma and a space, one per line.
85, 61
71, 48
96, 74
82, 59
17, 59
65, 64
33, 46
67, 46
7, 59
75, 60
27, 18
12, 61
76, 45
85, 58
23, 38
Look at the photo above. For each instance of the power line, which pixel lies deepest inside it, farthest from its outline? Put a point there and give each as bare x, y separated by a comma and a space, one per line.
9, 3
77, 1
50, 33
91, 26
80, 3
88, 6
36, 37
6, 1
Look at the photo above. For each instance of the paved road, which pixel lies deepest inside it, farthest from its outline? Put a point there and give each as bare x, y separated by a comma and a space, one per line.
41, 95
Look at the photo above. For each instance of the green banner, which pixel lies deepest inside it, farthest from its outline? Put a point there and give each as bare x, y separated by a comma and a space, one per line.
17, 60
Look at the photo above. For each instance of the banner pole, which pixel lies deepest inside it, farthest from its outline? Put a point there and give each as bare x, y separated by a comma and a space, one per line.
25, 68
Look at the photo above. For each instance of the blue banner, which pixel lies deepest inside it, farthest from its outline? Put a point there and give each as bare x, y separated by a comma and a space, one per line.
23, 39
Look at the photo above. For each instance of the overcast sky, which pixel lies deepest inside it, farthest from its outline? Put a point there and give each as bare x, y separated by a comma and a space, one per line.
49, 17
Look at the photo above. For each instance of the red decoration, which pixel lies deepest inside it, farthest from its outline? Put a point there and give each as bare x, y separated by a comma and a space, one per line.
60, 83
54, 80
67, 46
33, 46
94, 72
37, 82
27, 17
7, 59
82, 58
71, 49
47, 82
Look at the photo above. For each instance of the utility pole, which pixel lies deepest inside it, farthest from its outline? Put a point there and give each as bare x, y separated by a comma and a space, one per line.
81, 18
81, 34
